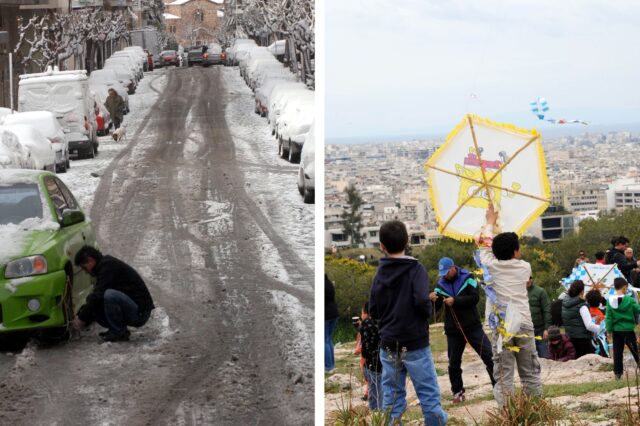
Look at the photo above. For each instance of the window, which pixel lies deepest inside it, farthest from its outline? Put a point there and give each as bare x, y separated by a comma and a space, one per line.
59, 203
69, 198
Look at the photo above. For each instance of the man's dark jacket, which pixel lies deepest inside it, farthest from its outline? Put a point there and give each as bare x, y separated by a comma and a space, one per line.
400, 303
114, 274
624, 265
464, 290
330, 306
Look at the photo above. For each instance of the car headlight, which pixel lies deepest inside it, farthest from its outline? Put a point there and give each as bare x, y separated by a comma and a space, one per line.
27, 266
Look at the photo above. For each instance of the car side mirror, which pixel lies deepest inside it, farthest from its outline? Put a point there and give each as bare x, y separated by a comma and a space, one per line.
71, 217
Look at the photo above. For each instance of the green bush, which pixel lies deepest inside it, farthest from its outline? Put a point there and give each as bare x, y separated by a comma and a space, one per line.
353, 284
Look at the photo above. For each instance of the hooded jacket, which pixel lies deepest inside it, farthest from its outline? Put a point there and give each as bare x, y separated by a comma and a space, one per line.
621, 315
564, 351
464, 290
400, 303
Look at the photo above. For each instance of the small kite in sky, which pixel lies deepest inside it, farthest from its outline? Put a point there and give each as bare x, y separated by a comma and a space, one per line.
540, 108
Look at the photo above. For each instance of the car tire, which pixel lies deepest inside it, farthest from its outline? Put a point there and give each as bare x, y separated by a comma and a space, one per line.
60, 334
68, 161
281, 151
308, 196
301, 181
62, 168
293, 156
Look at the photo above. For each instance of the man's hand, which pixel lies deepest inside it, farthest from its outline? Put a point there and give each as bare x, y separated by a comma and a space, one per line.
545, 335
77, 324
491, 215
449, 301
433, 296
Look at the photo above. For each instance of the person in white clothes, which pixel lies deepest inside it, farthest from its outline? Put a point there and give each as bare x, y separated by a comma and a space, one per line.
501, 255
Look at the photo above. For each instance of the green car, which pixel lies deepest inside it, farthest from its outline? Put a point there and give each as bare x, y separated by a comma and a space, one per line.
42, 227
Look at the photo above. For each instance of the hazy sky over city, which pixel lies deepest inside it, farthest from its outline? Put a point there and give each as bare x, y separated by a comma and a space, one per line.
415, 67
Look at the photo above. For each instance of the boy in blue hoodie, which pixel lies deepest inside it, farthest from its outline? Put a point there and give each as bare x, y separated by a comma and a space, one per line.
400, 303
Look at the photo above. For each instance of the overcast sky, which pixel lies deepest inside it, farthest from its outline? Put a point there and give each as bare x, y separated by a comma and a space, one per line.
415, 67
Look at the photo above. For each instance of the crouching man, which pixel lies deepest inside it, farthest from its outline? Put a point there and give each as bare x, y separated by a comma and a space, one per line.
119, 298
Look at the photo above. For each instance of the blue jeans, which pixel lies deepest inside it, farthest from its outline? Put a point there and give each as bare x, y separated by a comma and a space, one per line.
541, 345
329, 328
375, 388
419, 365
120, 311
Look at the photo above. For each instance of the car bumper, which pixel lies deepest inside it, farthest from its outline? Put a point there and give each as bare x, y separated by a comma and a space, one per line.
15, 295
78, 145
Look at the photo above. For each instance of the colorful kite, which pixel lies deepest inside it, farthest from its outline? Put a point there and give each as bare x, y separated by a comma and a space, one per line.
540, 107
483, 162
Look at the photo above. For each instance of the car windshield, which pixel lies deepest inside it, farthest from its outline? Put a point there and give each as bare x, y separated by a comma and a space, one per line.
18, 202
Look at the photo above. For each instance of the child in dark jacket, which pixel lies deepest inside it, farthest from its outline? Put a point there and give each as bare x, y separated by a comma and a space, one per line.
560, 346
457, 289
620, 320
370, 351
400, 303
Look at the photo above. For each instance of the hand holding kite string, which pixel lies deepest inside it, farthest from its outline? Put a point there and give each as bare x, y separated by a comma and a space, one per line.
540, 107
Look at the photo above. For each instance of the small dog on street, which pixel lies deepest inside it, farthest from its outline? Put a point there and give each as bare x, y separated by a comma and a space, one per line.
120, 134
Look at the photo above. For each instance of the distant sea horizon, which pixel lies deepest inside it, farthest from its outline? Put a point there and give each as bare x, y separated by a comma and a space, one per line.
547, 132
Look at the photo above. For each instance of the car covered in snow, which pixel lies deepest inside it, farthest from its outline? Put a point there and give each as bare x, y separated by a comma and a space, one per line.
105, 79
294, 123
125, 75
67, 95
14, 155
134, 59
40, 148
307, 170
47, 124
43, 227
278, 98
263, 92
239, 45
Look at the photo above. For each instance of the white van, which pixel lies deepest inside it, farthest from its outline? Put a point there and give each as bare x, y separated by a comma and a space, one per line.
66, 94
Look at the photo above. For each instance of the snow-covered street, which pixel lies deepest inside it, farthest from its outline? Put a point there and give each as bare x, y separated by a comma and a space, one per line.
197, 200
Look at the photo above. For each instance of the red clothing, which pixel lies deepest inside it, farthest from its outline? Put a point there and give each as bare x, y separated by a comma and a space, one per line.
600, 262
597, 314
564, 351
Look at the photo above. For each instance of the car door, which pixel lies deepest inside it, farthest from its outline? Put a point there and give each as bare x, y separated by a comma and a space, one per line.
73, 237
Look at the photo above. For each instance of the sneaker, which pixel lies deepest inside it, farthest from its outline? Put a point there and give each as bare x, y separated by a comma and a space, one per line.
458, 397
112, 337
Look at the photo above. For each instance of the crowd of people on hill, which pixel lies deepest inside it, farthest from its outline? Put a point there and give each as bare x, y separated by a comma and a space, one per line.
393, 328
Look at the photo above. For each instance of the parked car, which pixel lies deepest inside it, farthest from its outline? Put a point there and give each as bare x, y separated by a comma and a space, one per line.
125, 76
140, 54
105, 79
238, 45
307, 170
263, 93
38, 145
69, 98
294, 123
48, 125
125, 62
14, 155
40, 287
169, 57
134, 59
213, 55
277, 99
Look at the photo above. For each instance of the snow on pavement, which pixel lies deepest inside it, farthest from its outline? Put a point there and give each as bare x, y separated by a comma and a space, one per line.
277, 195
